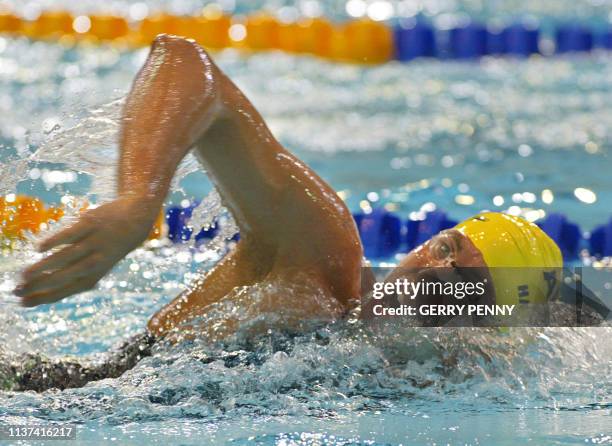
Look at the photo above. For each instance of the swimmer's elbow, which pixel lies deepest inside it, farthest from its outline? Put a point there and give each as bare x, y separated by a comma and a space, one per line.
190, 66
182, 50
174, 43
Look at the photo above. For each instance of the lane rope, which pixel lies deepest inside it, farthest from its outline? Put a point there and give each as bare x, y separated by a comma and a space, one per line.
357, 41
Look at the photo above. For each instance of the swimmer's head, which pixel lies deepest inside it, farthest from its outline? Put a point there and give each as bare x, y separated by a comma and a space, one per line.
522, 262
509, 241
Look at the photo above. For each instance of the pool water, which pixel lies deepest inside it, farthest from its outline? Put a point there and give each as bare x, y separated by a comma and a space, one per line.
501, 134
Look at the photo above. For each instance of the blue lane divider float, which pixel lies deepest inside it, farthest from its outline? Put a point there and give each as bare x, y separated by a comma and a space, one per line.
604, 40
178, 229
497, 41
415, 38
380, 232
521, 39
566, 234
600, 242
476, 40
573, 37
384, 234
468, 42
419, 231
176, 219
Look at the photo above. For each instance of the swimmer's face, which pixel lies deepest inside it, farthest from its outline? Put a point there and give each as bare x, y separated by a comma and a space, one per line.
448, 256
449, 248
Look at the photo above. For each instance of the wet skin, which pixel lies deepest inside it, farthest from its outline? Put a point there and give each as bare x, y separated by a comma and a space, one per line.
290, 220
293, 226
449, 248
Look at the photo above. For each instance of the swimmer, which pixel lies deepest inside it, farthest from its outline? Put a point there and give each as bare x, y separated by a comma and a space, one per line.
296, 233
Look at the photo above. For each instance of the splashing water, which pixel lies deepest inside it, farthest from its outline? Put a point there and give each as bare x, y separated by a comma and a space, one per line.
90, 147
342, 382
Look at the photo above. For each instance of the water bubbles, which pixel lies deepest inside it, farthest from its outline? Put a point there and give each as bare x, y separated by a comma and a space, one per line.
447, 161
287, 14
380, 10
400, 162
311, 8
528, 197
237, 32
365, 206
356, 8
183, 257
464, 199
591, 147
424, 159
51, 178
72, 71
547, 196
81, 24
524, 150
34, 173
533, 215
428, 207
585, 195
51, 125
31, 10
138, 11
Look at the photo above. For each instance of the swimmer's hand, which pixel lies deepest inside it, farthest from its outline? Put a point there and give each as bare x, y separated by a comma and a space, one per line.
91, 247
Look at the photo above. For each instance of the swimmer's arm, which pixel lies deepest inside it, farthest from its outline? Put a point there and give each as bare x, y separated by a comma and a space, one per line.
172, 103
237, 268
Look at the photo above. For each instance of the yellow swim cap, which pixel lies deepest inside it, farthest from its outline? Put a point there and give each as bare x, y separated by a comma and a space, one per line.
524, 263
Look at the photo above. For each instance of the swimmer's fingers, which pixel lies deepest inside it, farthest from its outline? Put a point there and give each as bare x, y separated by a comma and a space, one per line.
51, 295
73, 234
90, 267
60, 259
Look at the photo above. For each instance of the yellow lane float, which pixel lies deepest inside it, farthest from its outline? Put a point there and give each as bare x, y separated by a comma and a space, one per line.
262, 32
20, 214
108, 28
359, 41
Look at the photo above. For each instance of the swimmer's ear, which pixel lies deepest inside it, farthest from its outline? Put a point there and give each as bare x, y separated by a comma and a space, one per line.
73, 234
